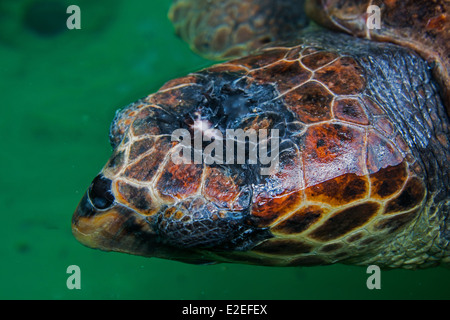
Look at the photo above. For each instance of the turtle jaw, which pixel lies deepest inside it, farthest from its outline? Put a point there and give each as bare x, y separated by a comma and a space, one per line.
96, 228
122, 229
100, 222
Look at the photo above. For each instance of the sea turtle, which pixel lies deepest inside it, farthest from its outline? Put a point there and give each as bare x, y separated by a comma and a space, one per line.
363, 152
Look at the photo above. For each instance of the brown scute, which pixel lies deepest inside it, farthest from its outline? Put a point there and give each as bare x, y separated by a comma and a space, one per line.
310, 50
283, 247
384, 125
355, 237
411, 196
261, 59
286, 74
178, 181
401, 144
179, 81
316, 60
381, 153
289, 177
145, 168
331, 247
327, 142
135, 197
372, 106
310, 102
350, 110
388, 181
340, 190
282, 192
177, 99
267, 209
116, 162
343, 76
308, 261
396, 222
345, 221
228, 68
332, 150
139, 147
293, 53
220, 188
300, 221
144, 123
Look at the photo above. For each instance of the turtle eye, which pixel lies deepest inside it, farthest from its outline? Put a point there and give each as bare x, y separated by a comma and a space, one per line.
100, 193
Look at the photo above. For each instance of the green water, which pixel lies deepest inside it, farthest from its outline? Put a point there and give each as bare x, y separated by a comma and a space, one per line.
58, 95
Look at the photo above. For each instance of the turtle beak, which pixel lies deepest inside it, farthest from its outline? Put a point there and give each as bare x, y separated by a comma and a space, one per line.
91, 226
117, 228
120, 229
100, 222
93, 213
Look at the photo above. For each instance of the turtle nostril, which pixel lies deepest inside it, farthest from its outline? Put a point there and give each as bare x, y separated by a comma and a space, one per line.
100, 193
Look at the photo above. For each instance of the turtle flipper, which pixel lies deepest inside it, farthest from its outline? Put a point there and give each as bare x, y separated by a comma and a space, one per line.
220, 29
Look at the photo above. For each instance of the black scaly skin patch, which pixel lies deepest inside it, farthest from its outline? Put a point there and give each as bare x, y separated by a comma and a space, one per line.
230, 101
193, 225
